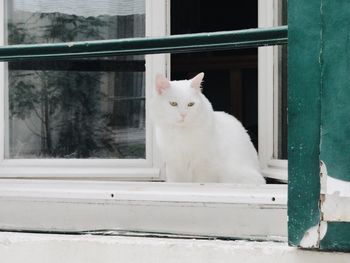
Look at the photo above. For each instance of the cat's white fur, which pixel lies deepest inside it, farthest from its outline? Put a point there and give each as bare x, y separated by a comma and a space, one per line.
197, 143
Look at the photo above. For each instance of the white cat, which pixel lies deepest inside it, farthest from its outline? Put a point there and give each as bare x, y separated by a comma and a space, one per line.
197, 143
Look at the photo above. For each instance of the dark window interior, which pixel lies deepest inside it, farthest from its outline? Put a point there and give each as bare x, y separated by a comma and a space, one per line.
231, 78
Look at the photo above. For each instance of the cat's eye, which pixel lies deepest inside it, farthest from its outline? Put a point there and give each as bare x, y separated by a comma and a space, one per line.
173, 103
190, 104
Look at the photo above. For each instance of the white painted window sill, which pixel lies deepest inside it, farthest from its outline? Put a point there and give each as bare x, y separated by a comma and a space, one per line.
215, 210
28, 247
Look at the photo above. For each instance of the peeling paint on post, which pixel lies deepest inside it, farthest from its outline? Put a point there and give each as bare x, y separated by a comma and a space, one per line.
335, 197
319, 114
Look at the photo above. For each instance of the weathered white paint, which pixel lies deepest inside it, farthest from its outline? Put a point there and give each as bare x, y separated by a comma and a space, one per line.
337, 186
187, 209
331, 185
314, 235
335, 197
334, 206
37, 248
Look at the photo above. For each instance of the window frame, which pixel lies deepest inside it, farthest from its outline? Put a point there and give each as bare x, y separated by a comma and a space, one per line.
268, 81
98, 201
121, 169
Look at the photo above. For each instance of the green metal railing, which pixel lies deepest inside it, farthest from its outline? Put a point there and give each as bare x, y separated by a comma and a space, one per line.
149, 45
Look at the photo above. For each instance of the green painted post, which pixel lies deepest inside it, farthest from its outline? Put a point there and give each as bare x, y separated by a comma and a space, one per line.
318, 115
304, 75
335, 107
335, 92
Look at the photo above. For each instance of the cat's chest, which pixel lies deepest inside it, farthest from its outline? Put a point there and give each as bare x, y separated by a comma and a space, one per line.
182, 143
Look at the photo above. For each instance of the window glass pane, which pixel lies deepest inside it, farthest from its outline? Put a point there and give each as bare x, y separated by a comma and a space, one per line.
230, 76
79, 108
281, 149
35, 21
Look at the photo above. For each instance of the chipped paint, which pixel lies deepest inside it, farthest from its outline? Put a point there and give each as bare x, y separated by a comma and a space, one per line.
334, 197
334, 206
314, 235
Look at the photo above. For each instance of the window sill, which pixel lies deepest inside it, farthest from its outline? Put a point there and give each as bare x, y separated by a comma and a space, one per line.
211, 210
136, 170
276, 169
27, 247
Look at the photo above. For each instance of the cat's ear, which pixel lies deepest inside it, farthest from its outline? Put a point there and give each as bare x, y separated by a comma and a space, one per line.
196, 82
162, 83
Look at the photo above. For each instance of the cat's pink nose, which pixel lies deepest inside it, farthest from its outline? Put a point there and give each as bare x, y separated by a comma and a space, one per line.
183, 115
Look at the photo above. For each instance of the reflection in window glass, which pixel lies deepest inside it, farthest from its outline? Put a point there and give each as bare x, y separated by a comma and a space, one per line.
281, 149
79, 108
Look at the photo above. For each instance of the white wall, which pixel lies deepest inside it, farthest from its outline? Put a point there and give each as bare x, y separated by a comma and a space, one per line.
49, 248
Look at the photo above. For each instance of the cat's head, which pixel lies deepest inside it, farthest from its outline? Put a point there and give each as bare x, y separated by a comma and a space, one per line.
179, 102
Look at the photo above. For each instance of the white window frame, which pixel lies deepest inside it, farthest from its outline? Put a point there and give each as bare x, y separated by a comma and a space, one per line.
43, 203
268, 74
147, 169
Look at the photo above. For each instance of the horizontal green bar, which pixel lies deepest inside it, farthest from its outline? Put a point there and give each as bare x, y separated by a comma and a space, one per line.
149, 45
